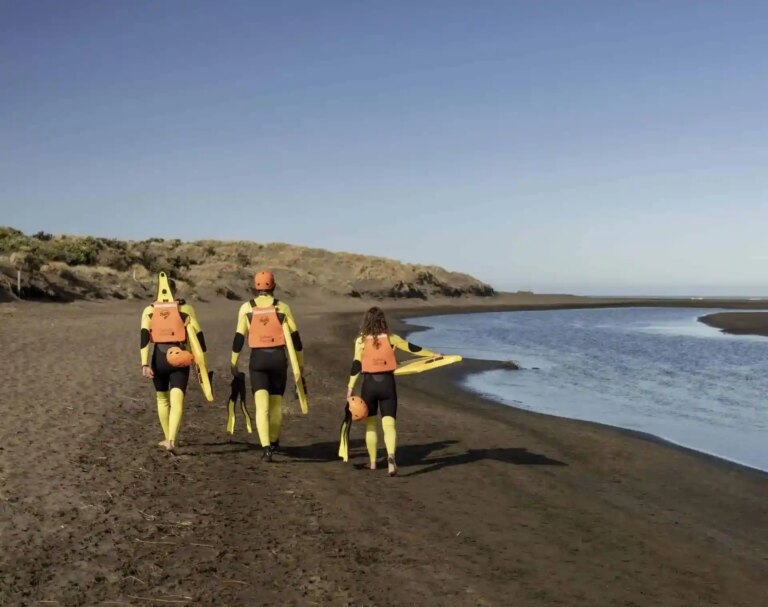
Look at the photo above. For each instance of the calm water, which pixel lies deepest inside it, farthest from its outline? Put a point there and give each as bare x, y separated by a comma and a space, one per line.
657, 370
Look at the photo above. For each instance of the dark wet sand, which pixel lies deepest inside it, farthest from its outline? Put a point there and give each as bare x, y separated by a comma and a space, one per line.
494, 506
739, 323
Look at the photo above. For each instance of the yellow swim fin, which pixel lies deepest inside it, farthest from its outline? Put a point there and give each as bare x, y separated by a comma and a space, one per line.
344, 435
248, 422
164, 293
231, 417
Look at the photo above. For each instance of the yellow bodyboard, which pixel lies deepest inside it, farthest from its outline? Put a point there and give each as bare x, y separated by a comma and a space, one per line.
202, 369
426, 364
296, 370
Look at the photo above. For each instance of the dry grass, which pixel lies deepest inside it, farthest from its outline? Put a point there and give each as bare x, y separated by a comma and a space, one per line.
66, 268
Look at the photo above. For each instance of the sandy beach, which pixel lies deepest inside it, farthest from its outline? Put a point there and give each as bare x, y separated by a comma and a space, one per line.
494, 506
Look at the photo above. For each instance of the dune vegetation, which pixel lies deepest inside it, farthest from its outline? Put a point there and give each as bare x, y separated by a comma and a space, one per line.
67, 268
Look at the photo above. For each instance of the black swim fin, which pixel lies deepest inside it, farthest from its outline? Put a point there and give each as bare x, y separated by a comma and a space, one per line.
346, 426
237, 392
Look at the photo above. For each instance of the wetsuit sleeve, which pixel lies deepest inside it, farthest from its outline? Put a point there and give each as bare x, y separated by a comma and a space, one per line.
293, 328
240, 332
146, 319
406, 346
357, 366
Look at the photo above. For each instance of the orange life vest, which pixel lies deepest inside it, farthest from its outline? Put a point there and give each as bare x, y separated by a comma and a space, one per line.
166, 325
265, 331
378, 357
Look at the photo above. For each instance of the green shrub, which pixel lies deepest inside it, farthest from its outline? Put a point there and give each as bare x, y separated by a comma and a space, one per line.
113, 243
27, 261
175, 273
178, 262
116, 259
149, 260
12, 239
76, 251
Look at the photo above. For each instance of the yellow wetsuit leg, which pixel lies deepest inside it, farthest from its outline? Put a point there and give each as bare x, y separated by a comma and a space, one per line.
164, 410
390, 434
177, 410
371, 438
262, 416
275, 417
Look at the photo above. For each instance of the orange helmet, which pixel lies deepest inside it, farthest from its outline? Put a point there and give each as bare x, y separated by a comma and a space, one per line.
179, 358
357, 408
264, 281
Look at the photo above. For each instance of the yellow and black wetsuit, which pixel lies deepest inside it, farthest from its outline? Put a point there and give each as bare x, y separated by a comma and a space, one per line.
170, 382
380, 394
268, 367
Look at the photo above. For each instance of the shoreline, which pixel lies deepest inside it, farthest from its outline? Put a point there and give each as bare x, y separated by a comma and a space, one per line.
457, 374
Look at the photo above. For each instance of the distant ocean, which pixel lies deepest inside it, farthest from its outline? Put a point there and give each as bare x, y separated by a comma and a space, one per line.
656, 370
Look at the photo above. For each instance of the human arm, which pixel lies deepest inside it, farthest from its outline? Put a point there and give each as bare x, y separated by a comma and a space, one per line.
144, 341
239, 341
357, 366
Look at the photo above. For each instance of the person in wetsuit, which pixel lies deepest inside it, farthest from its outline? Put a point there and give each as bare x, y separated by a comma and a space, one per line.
375, 359
261, 321
165, 323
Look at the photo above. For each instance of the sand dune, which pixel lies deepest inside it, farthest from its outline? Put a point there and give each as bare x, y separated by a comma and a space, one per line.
67, 268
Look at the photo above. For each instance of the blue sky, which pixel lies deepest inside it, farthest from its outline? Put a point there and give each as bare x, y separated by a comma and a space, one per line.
604, 147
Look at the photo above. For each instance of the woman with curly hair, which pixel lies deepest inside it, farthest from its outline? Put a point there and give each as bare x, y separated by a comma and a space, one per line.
375, 359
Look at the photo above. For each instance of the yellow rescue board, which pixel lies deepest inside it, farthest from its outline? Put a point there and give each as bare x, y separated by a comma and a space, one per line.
202, 369
296, 370
426, 364
164, 294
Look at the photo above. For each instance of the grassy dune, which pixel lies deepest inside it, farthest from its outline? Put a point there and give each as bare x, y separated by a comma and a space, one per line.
66, 268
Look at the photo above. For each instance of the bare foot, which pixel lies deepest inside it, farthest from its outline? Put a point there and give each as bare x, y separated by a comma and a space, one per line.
171, 447
373, 465
391, 465
165, 444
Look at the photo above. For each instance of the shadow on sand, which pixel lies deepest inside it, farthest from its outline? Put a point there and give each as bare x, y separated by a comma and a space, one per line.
408, 456
313, 453
225, 447
413, 455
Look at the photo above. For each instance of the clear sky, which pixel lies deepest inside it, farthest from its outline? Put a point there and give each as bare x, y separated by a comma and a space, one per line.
604, 147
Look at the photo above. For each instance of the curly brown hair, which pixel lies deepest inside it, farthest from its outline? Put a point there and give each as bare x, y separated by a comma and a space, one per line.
374, 324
